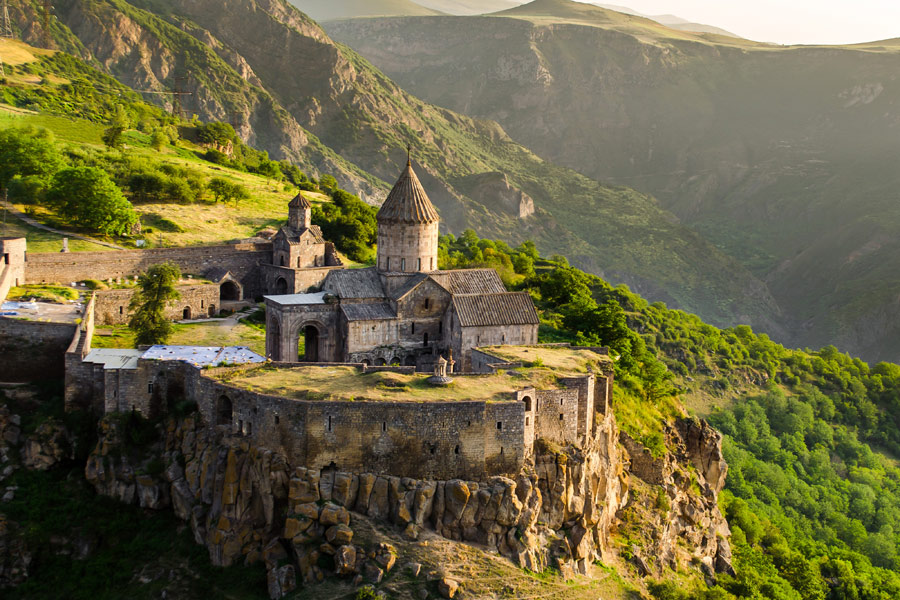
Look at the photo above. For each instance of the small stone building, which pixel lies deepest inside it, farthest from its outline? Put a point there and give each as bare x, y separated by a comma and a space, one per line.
300, 255
12, 264
404, 310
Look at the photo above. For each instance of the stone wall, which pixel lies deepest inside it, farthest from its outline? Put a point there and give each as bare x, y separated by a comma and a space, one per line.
33, 350
242, 260
456, 439
295, 281
202, 301
464, 339
557, 416
79, 380
12, 264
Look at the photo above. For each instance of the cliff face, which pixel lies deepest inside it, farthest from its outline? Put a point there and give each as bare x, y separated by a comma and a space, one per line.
248, 504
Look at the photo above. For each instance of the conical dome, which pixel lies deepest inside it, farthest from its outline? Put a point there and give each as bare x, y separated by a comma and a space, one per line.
299, 201
408, 202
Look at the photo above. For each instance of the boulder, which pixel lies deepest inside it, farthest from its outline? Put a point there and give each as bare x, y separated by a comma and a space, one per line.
333, 514
448, 587
339, 534
282, 581
345, 560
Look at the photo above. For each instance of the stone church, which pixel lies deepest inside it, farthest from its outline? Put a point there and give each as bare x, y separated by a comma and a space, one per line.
402, 311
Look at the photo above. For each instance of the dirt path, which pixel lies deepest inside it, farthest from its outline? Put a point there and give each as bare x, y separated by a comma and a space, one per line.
26, 219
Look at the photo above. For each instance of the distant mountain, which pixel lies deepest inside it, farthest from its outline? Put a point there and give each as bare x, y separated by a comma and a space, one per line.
469, 7
784, 157
323, 10
673, 21
292, 91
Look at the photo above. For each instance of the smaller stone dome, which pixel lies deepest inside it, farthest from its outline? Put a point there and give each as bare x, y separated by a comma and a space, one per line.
408, 202
299, 201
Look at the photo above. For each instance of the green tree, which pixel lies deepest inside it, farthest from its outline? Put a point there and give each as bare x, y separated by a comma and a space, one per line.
227, 191
113, 136
27, 151
87, 197
216, 134
328, 183
154, 294
158, 140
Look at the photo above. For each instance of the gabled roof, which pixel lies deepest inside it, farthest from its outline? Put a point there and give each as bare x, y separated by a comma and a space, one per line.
481, 310
299, 201
218, 275
293, 236
368, 312
354, 283
408, 202
469, 281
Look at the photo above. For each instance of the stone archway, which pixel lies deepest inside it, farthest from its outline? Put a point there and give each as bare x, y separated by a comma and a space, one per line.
186, 313
229, 291
281, 286
310, 344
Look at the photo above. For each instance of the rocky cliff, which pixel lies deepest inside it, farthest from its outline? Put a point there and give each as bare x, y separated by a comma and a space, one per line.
247, 504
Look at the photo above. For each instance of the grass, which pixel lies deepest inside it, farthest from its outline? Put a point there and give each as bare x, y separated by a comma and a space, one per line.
557, 359
194, 334
43, 293
40, 240
346, 383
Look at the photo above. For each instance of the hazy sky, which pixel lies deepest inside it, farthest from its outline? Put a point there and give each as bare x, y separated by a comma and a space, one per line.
786, 21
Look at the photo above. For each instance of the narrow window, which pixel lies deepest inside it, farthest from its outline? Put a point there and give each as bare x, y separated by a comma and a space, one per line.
501, 450
277, 420
121, 310
456, 450
249, 428
240, 426
329, 423
499, 425
527, 420
383, 427
403, 264
441, 327
419, 264
203, 304
413, 330
560, 402
425, 338
432, 449
432, 263
282, 261
6, 258
427, 303
150, 388
560, 416
387, 263
298, 262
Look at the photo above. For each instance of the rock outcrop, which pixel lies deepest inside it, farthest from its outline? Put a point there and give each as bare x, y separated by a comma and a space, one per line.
247, 504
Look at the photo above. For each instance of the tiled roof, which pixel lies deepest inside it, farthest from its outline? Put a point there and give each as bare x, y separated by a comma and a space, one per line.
481, 310
408, 202
293, 236
354, 283
368, 312
469, 281
299, 201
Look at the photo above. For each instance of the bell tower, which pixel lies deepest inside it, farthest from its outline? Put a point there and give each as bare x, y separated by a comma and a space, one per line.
299, 213
407, 228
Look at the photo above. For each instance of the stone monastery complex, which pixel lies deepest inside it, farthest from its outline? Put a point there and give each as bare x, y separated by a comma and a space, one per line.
406, 370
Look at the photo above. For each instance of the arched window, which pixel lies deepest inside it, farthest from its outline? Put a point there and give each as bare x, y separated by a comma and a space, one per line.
282, 260
186, 313
403, 264
527, 401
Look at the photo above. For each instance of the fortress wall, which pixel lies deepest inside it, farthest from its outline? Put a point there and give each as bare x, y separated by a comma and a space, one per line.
557, 415
6, 280
242, 260
408, 439
585, 416
79, 389
33, 350
112, 305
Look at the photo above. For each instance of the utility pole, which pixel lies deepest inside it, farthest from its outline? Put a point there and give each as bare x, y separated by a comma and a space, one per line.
5, 22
